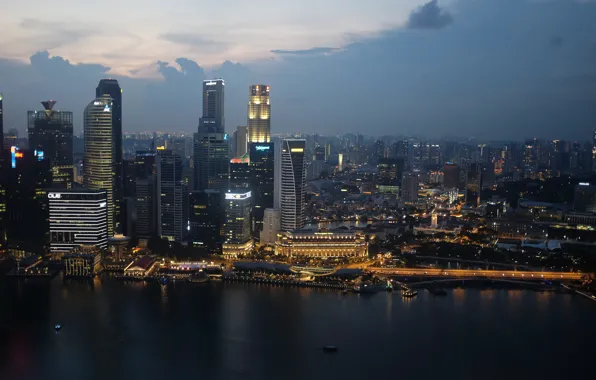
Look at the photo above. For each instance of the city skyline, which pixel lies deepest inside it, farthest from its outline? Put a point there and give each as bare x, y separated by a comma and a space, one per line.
449, 57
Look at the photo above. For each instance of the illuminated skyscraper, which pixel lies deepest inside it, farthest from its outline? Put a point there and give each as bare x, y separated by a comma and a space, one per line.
259, 114
173, 197
262, 181
211, 145
293, 184
99, 154
51, 135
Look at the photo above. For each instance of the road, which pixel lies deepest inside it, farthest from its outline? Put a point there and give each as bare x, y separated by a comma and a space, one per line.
519, 275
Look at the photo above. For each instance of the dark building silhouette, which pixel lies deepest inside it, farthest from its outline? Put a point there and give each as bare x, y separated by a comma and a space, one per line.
450, 176
474, 184
240, 173
173, 197
262, 169
1, 126
51, 135
23, 201
584, 199
205, 210
146, 194
390, 174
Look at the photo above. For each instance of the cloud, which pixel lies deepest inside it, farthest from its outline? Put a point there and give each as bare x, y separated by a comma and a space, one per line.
429, 16
196, 41
312, 51
51, 35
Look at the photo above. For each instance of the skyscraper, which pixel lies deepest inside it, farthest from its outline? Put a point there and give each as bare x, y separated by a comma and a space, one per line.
111, 88
240, 173
390, 174
450, 176
293, 184
99, 154
259, 114
205, 219
474, 185
241, 140
262, 169
584, 199
237, 223
77, 217
409, 190
213, 106
211, 145
51, 134
146, 194
173, 196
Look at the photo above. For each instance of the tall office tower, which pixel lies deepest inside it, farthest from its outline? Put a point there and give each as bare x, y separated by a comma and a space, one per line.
340, 162
259, 114
24, 176
434, 154
146, 194
262, 174
99, 153
409, 190
488, 178
240, 172
241, 141
237, 223
213, 106
400, 148
473, 185
327, 152
390, 174
319, 154
111, 88
1, 127
204, 219
293, 184
77, 217
585, 198
51, 132
450, 176
128, 178
211, 145
173, 197
271, 226
379, 150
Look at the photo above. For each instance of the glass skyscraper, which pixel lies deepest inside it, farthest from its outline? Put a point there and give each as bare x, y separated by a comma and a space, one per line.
112, 88
262, 170
293, 184
99, 155
173, 196
51, 135
211, 145
259, 113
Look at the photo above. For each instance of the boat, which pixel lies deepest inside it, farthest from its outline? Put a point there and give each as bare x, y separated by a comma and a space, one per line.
58, 327
409, 293
330, 349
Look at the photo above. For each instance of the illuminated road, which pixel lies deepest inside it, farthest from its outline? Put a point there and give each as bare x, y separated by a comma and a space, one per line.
519, 275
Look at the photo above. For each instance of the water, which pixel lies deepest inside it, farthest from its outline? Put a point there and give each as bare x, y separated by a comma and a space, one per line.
242, 331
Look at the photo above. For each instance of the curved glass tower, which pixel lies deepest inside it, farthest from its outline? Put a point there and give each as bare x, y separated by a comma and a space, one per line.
99, 155
259, 112
293, 184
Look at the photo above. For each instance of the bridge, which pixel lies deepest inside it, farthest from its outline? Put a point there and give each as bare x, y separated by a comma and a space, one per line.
471, 273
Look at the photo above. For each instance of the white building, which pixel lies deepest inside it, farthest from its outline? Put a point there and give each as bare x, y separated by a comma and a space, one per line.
77, 217
293, 184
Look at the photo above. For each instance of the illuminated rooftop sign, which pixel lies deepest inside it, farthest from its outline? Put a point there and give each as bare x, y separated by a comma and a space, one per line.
237, 196
297, 150
261, 148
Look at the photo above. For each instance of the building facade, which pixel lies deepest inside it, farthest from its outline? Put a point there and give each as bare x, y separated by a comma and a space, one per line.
321, 244
205, 219
173, 197
111, 88
77, 217
146, 194
271, 226
262, 172
51, 134
293, 184
259, 114
99, 154
237, 233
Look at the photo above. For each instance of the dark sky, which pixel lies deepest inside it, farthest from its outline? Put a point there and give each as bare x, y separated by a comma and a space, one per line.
485, 68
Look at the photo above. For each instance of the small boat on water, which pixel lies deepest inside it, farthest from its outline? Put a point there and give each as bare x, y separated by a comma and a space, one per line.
330, 349
409, 293
58, 327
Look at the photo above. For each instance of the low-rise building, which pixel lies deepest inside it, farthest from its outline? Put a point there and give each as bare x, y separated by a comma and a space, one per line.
321, 244
141, 267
